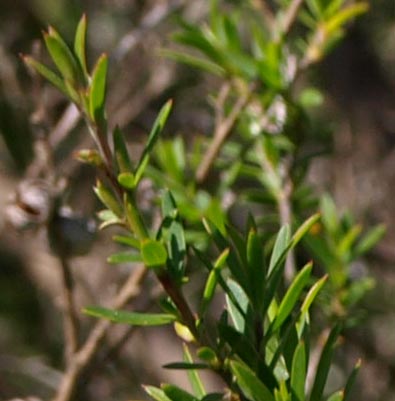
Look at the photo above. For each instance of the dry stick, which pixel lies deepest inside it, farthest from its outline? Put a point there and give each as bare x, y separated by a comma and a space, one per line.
70, 320
222, 130
85, 354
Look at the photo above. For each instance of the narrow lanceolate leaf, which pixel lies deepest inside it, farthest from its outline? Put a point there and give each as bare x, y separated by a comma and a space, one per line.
133, 318
298, 372
62, 56
351, 381
121, 152
292, 296
97, 94
80, 45
193, 61
47, 73
249, 384
370, 239
153, 252
124, 257
304, 229
345, 15
127, 240
280, 247
193, 376
156, 393
310, 297
152, 138
324, 365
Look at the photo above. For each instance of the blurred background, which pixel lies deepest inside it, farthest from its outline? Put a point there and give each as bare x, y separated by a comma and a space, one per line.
358, 81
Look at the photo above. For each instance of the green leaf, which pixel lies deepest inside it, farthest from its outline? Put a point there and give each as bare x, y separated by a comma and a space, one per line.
351, 380
324, 365
329, 214
345, 15
249, 384
156, 393
169, 206
80, 44
304, 229
62, 57
292, 295
177, 394
310, 297
121, 152
194, 378
107, 198
126, 180
280, 247
152, 138
132, 318
338, 396
127, 240
193, 61
97, 92
370, 239
207, 354
124, 257
153, 252
298, 373
47, 73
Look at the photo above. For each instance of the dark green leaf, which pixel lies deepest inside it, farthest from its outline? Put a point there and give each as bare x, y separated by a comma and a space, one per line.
256, 268
132, 318
108, 199
324, 365
249, 384
186, 366
351, 381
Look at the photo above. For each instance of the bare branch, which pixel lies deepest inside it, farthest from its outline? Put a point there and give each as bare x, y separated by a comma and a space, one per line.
222, 130
88, 350
70, 320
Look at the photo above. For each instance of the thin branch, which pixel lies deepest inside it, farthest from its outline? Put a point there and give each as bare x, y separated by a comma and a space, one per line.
70, 320
222, 130
86, 353
291, 15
